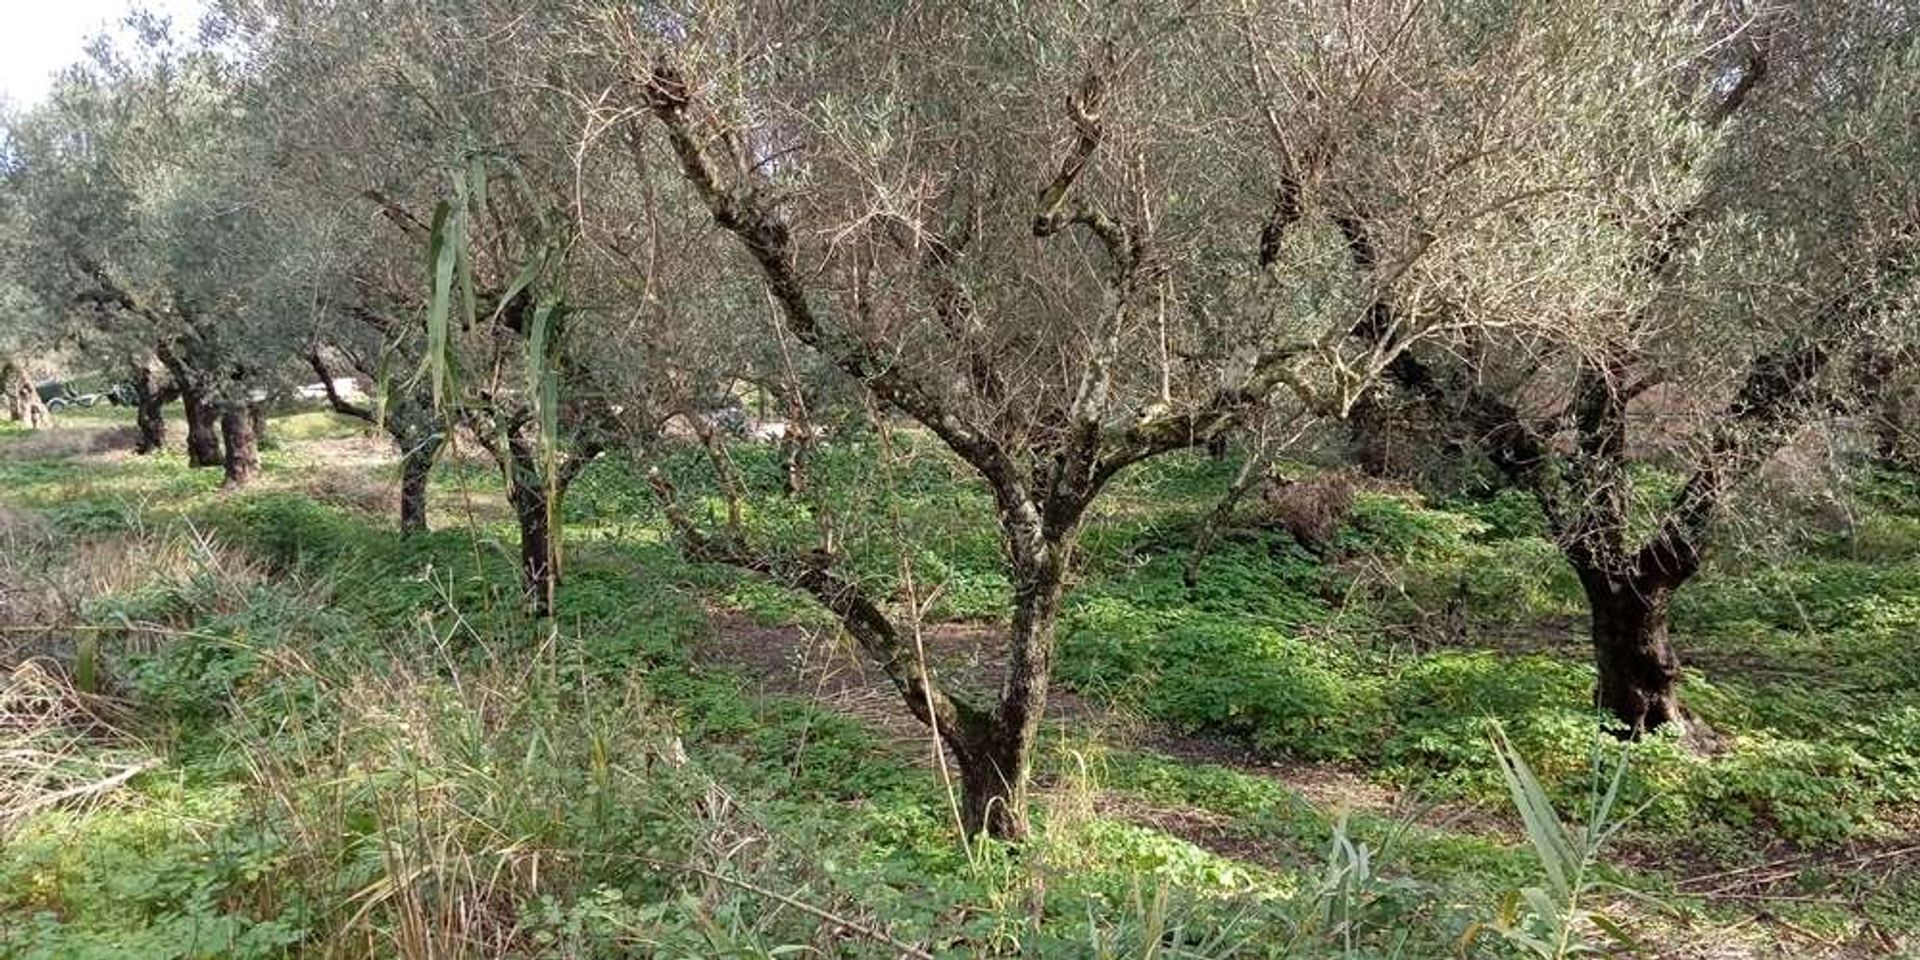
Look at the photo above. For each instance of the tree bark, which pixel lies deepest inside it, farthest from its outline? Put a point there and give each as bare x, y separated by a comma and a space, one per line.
149, 403
533, 511
257, 414
201, 412
539, 567
1638, 672
996, 754
796, 449
416, 466
536, 488
996, 762
203, 427
23, 401
995, 769
242, 461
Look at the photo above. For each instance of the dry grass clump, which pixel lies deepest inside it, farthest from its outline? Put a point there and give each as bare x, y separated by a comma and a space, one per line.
363, 492
61, 742
59, 745
29, 603
26, 606
1312, 508
358, 473
444, 776
53, 594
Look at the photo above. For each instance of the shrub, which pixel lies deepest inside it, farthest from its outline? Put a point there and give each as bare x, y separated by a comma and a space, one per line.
1311, 509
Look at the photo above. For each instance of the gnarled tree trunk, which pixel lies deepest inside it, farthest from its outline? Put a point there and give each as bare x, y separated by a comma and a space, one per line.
257, 415
536, 508
149, 403
539, 562
416, 467
242, 461
994, 772
203, 426
995, 757
201, 411
536, 487
1639, 674
23, 401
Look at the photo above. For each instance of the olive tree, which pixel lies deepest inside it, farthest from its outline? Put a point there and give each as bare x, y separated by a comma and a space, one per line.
1731, 231
1059, 242
133, 180
441, 129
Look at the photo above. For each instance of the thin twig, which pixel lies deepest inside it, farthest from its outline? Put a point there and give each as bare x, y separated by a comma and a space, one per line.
1797, 860
85, 789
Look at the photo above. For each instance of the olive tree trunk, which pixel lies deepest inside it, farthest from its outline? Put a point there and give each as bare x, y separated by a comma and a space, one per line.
242, 461
198, 405
149, 403
995, 757
994, 772
1639, 673
416, 467
539, 563
23, 401
203, 426
536, 488
257, 415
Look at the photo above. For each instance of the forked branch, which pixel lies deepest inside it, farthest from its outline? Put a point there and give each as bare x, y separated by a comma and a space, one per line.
869, 625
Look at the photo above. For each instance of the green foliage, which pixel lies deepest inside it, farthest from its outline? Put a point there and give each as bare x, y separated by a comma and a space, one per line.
1807, 792
90, 519
1259, 650
1441, 702
147, 883
1403, 529
1507, 514
314, 425
351, 696
1205, 672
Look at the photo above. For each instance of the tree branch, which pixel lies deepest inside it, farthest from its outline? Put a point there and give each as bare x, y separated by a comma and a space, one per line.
1052, 211
745, 210
868, 624
339, 404
398, 215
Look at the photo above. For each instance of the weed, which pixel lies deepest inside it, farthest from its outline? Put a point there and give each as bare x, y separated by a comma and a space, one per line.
1558, 920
